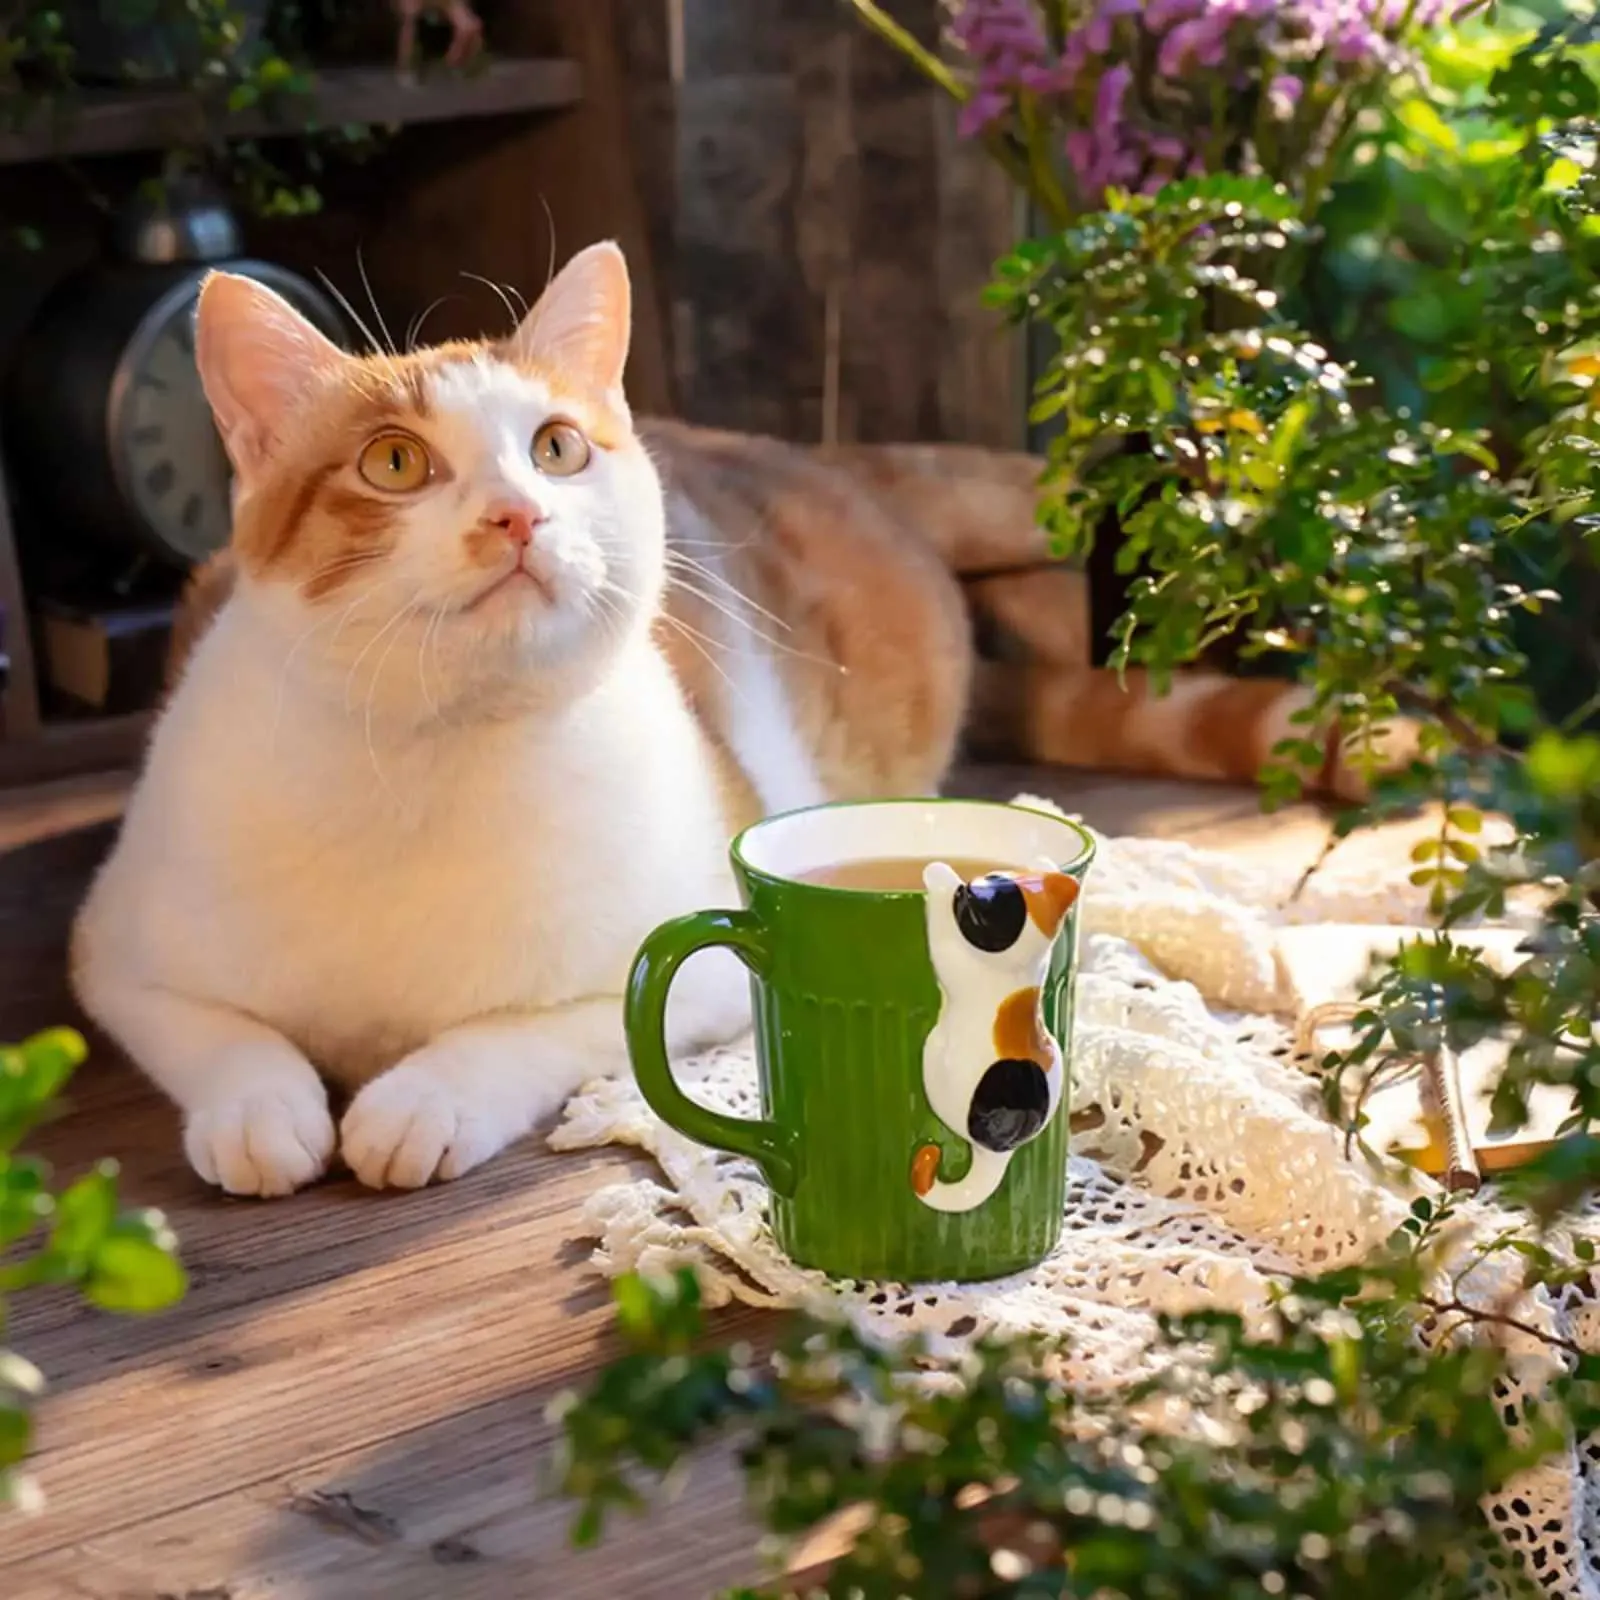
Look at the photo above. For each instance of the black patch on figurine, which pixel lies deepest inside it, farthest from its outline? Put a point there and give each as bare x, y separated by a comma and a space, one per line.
1009, 1106
991, 913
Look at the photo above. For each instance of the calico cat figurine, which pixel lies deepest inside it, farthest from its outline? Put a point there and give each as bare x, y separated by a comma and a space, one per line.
991, 1071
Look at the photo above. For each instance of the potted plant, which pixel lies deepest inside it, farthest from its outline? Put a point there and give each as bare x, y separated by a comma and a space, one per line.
1081, 98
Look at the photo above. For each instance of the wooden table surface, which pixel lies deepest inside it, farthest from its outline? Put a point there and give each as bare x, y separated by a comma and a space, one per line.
350, 1405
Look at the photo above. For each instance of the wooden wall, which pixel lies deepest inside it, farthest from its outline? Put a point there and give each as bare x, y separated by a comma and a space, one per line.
820, 236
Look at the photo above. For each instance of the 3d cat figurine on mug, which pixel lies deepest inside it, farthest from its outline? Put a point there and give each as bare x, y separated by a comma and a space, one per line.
472, 703
991, 1071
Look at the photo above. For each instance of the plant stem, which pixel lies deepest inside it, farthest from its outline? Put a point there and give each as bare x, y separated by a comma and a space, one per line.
1020, 164
921, 58
1329, 845
1458, 1308
1045, 185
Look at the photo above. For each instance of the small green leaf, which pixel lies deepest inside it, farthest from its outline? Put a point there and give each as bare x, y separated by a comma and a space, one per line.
84, 1214
132, 1273
15, 1432
24, 1200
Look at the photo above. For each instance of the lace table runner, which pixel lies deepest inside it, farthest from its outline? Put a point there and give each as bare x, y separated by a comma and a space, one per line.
1203, 1169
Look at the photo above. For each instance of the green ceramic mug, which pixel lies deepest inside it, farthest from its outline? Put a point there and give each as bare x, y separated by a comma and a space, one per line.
912, 1044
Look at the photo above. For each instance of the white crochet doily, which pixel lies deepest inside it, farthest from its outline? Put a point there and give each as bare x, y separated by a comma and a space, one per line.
1202, 1168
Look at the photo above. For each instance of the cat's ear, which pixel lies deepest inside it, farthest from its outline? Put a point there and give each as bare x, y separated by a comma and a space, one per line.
258, 359
582, 322
939, 877
1050, 897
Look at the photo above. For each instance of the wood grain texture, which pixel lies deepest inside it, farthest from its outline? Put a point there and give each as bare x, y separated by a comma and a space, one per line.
113, 121
823, 234
351, 1404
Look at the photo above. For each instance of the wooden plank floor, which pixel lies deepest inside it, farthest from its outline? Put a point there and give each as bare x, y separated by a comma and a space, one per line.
351, 1403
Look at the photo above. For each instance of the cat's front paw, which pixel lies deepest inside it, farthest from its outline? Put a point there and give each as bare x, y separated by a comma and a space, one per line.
270, 1139
414, 1124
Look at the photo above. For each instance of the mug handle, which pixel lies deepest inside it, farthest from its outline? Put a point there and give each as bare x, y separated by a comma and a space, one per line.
773, 1149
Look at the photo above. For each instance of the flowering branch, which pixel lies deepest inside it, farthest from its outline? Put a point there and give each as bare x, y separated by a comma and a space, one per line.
1081, 98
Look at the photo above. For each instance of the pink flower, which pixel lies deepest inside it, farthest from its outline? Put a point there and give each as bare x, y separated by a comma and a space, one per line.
1283, 95
1006, 42
1096, 35
986, 107
1203, 40
1080, 152
1108, 102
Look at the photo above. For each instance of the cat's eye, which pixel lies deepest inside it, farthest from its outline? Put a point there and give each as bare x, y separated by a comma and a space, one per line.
560, 450
395, 462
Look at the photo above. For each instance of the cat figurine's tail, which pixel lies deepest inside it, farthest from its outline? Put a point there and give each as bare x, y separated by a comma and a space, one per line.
983, 1178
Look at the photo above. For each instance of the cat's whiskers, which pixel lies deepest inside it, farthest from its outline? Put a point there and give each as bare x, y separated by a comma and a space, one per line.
414, 332
372, 300
676, 543
400, 616
350, 561
379, 352
605, 602
701, 569
703, 644
676, 582
550, 223
435, 618
505, 299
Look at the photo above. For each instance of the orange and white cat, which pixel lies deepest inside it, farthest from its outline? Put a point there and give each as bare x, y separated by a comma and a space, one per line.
455, 723
426, 781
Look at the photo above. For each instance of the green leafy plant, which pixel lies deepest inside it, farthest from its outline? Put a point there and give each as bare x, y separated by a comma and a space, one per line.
118, 1260
1329, 1454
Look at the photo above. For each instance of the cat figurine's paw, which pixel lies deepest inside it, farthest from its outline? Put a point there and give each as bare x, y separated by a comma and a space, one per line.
419, 1122
265, 1138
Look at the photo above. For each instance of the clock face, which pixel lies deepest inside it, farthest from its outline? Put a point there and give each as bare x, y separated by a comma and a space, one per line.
165, 450
169, 456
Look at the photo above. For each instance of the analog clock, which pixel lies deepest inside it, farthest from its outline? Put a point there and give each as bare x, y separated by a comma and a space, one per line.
108, 436
165, 452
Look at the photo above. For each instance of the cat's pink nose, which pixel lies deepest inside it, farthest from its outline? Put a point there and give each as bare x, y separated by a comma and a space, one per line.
516, 519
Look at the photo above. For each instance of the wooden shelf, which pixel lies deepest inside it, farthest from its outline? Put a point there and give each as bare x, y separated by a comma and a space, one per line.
116, 121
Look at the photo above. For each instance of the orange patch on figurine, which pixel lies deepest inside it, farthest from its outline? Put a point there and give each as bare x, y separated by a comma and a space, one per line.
1019, 1031
1049, 898
924, 1168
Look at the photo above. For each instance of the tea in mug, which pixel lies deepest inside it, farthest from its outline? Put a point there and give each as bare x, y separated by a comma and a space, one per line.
895, 875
